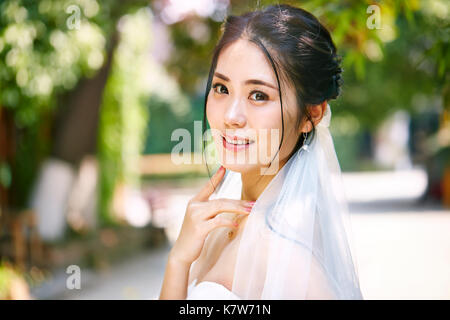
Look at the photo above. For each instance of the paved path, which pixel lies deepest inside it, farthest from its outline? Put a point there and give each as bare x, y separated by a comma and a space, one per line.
402, 248
403, 254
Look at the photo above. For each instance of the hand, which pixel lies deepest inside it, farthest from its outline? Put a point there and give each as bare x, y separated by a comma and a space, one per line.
202, 216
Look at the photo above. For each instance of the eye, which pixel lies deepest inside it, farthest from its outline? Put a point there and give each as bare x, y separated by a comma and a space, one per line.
215, 85
259, 96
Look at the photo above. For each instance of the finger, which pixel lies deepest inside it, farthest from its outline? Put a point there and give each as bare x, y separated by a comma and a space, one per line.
210, 186
216, 206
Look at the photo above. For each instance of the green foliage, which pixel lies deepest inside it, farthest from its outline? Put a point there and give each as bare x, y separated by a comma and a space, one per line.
135, 94
8, 275
41, 58
402, 65
164, 121
385, 65
190, 62
44, 53
124, 111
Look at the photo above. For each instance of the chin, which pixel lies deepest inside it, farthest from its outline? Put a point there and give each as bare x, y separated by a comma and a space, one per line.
241, 168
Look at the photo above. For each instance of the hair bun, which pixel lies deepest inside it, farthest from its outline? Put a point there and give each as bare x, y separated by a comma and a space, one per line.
335, 86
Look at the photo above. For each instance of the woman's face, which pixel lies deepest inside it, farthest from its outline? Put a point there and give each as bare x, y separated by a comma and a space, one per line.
244, 104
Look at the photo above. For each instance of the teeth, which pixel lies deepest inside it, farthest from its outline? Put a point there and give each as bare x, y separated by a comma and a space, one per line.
236, 141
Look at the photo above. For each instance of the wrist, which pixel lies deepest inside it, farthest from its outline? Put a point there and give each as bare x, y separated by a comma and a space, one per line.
177, 261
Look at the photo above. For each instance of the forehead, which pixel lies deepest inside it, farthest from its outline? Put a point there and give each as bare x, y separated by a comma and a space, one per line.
242, 60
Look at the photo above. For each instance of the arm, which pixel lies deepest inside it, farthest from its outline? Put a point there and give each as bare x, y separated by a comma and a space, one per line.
176, 273
201, 217
175, 280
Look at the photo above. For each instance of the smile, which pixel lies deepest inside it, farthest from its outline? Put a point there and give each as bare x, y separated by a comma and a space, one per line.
235, 145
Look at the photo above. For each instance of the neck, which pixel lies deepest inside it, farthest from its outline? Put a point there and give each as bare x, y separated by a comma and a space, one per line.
254, 183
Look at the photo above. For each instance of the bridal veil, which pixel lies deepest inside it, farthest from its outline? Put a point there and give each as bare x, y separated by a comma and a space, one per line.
296, 243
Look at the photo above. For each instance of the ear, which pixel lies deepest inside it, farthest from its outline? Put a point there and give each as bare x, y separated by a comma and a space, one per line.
317, 112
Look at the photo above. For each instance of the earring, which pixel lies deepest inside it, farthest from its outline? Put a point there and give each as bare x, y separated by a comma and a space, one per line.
305, 146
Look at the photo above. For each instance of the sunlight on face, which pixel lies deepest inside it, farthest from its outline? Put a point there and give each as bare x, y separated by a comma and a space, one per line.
244, 104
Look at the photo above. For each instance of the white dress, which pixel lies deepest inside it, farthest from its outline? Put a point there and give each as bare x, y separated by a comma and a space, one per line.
208, 290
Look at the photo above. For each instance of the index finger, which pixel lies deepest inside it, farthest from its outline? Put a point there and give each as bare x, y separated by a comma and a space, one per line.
210, 186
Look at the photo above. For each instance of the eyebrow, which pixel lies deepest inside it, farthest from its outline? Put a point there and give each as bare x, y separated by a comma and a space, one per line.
250, 81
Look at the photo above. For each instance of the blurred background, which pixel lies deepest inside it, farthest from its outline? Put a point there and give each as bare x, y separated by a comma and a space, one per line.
91, 92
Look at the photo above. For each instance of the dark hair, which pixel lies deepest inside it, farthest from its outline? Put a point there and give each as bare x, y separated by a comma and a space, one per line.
299, 48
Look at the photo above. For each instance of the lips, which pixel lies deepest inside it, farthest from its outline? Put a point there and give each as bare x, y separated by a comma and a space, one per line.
237, 140
229, 145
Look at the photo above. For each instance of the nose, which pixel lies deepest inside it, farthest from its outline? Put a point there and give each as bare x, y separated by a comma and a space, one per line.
235, 115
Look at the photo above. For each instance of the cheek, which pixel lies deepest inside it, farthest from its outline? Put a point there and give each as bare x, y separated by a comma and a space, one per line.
213, 115
271, 121
267, 125
265, 118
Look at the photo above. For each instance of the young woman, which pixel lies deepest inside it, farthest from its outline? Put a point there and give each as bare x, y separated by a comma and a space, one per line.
264, 229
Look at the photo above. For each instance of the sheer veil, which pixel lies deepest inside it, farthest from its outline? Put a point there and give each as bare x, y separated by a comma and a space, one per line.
296, 243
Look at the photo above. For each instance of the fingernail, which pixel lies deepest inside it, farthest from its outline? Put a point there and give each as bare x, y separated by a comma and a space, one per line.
248, 209
235, 224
